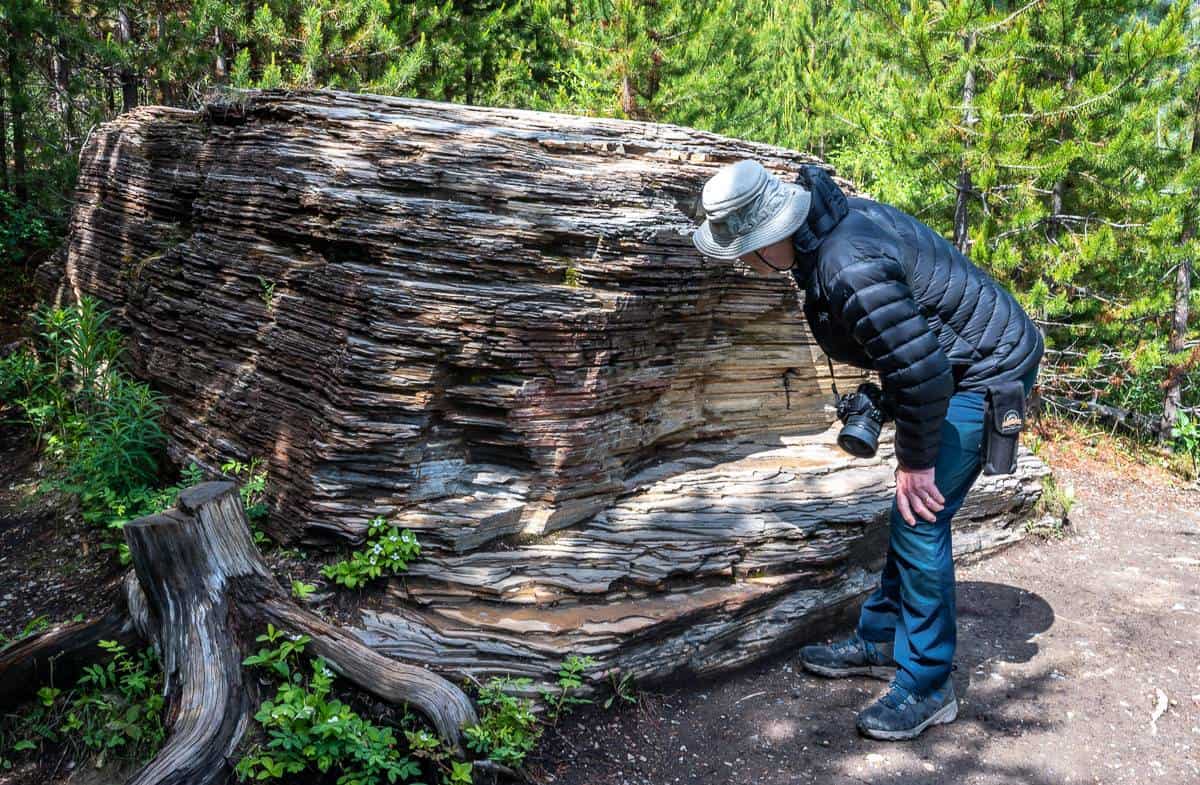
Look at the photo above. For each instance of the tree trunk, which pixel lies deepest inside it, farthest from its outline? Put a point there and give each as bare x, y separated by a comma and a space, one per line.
201, 593
1058, 194
221, 70
1173, 397
160, 29
129, 80
16, 97
65, 105
5, 184
962, 237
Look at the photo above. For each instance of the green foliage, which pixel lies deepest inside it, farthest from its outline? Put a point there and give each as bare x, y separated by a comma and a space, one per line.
22, 233
1074, 141
308, 731
386, 548
622, 687
252, 479
1186, 434
113, 712
268, 292
508, 729
1055, 503
119, 705
32, 627
302, 590
98, 426
101, 427
569, 680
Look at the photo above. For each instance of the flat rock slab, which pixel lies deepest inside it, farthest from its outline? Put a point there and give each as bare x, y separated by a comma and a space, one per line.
490, 326
704, 565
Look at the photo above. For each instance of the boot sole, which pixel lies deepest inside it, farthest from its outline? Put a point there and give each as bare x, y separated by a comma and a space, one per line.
882, 672
946, 714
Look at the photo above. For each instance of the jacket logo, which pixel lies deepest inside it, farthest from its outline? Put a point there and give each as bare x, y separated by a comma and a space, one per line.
1011, 419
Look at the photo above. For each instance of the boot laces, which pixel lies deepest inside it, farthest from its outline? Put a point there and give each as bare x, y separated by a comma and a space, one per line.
897, 695
847, 646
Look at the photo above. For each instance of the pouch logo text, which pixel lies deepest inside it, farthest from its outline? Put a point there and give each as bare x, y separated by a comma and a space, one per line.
1011, 419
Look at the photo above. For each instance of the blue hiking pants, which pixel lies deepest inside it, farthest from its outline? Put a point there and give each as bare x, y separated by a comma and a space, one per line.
913, 606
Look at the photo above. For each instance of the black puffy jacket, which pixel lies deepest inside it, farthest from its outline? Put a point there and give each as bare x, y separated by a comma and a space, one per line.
884, 291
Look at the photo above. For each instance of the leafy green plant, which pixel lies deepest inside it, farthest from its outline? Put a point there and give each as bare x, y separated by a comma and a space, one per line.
622, 687
268, 291
387, 547
99, 426
508, 729
309, 731
302, 590
569, 680
33, 626
27, 730
1055, 503
1186, 433
22, 231
114, 711
113, 510
252, 479
572, 277
120, 705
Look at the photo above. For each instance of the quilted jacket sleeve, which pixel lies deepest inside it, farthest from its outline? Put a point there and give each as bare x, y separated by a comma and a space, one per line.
870, 294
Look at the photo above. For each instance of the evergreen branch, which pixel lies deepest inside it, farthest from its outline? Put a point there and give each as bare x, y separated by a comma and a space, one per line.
1049, 219
1009, 18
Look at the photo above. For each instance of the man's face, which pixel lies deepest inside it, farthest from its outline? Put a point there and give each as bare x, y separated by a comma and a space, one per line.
771, 259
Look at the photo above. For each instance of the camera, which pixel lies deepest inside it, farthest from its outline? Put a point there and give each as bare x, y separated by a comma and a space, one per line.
863, 413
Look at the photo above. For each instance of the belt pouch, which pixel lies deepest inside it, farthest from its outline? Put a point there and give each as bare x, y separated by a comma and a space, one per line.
1003, 418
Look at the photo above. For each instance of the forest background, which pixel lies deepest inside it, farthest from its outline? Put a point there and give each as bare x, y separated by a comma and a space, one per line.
1054, 141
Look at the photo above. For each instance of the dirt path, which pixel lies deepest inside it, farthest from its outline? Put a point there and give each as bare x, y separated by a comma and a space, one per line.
1066, 649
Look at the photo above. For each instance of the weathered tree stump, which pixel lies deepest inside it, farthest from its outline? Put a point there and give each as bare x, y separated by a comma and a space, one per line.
490, 325
201, 593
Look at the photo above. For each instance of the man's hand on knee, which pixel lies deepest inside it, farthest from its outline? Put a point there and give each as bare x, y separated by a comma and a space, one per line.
917, 493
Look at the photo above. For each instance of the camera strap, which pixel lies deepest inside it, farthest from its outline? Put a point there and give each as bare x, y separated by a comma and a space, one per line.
832, 383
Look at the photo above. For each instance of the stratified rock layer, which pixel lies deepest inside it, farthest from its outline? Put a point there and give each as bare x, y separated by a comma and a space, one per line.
491, 326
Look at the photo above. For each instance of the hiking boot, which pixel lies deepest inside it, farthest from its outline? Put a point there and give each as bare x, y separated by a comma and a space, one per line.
850, 657
901, 715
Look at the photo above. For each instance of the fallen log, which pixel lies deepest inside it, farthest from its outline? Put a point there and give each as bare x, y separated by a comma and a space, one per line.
1115, 417
490, 326
199, 592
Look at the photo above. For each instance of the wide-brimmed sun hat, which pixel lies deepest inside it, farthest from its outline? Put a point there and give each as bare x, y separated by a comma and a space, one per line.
746, 207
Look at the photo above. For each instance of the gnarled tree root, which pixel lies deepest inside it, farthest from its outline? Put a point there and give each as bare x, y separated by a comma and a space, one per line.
201, 591
58, 655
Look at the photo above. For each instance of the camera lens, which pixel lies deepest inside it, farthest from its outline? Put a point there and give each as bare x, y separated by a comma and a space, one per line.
860, 436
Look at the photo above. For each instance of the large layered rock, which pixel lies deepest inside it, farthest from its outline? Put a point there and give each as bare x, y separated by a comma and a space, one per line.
490, 326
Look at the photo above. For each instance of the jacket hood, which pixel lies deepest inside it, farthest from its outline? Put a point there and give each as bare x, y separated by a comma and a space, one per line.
828, 208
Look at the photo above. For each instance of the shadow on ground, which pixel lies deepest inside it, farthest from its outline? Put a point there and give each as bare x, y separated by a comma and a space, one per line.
775, 723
